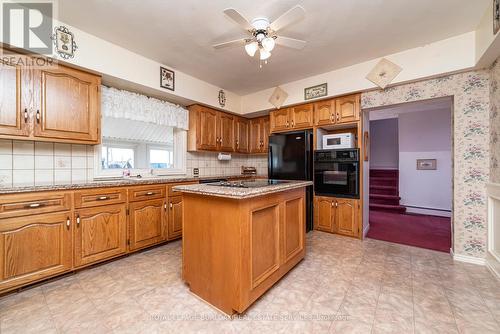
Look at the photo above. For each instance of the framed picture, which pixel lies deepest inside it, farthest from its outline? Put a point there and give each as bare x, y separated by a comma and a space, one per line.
496, 16
315, 91
167, 78
64, 41
426, 164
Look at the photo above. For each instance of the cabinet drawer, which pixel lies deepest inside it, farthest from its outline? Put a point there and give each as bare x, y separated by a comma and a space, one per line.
16, 205
146, 192
171, 191
98, 197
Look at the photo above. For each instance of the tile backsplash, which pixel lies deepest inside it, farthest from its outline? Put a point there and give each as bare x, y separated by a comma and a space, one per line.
28, 163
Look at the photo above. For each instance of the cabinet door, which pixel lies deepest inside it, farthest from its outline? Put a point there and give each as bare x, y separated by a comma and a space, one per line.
175, 217
34, 247
69, 105
346, 216
293, 228
13, 111
100, 233
255, 135
242, 135
347, 109
324, 112
146, 223
324, 214
302, 116
265, 126
280, 120
226, 132
207, 129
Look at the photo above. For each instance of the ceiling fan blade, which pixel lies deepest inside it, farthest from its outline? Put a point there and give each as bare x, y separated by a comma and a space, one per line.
290, 42
236, 42
238, 18
291, 16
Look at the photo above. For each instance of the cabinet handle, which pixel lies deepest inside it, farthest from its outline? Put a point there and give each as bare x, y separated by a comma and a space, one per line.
337, 117
78, 220
293, 124
287, 124
220, 140
149, 193
25, 115
333, 204
336, 204
165, 206
38, 116
68, 222
237, 144
34, 205
102, 198
171, 205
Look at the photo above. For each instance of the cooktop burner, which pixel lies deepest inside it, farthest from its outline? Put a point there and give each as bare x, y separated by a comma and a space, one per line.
247, 184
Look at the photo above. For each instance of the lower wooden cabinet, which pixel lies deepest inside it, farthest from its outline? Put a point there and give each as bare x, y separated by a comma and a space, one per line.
34, 247
175, 217
337, 215
147, 221
100, 233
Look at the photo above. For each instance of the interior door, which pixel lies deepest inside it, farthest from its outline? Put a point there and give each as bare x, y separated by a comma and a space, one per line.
207, 129
146, 223
324, 112
347, 109
34, 247
324, 214
100, 233
226, 132
14, 116
175, 217
69, 105
242, 135
280, 120
346, 212
302, 116
255, 135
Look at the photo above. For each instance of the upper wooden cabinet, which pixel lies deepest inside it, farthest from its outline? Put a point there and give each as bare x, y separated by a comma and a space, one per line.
210, 130
68, 105
298, 117
259, 134
242, 135
13, 111
59, 104
280, 120
347, 108
324, 112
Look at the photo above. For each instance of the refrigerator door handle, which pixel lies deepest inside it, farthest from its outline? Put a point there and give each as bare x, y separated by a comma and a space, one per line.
270, 162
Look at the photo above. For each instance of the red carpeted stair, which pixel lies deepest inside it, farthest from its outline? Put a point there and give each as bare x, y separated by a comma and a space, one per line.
384, 191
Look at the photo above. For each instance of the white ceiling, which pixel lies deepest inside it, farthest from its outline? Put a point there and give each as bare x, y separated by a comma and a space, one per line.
339, 33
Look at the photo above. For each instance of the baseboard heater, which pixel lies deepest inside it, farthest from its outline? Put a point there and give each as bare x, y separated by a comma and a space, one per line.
424, 208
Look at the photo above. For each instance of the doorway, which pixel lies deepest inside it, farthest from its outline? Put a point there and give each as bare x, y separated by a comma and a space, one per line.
410, 176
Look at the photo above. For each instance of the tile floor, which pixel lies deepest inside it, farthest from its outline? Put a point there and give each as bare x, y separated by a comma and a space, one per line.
343, 286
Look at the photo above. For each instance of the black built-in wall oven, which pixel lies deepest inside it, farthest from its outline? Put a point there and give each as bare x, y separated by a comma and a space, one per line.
336, 173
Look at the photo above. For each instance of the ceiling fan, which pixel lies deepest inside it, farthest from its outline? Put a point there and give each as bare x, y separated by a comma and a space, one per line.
263, 33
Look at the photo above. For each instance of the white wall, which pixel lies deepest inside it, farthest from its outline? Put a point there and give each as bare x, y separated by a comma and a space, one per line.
366, 178
425, 135
384, 148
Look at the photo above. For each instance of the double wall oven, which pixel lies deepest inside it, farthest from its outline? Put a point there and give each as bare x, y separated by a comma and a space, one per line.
336, 173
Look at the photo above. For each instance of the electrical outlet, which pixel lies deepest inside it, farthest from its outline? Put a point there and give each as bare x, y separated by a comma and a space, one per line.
196, 171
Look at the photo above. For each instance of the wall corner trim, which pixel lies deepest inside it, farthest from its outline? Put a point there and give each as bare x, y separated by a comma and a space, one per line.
365, 230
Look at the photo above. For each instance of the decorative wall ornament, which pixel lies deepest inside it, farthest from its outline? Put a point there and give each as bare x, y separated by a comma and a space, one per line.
496, 16
383, 73
64, 41
122, 104
316, 91
167, 78
426, 164
222, 98
278, 97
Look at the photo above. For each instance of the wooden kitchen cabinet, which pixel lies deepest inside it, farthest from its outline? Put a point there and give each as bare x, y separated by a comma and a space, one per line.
210, 130
337, 215
242, 129
302, 116
147, 223
324, 112
280, 120
174, 217
34, 247
100, 233
225, 132
259, 135
14, 115
347, 109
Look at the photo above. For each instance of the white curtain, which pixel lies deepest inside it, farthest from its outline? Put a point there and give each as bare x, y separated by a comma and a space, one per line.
121, 104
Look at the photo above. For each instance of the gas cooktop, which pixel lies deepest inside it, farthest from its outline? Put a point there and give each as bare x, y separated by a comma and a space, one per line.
247, 184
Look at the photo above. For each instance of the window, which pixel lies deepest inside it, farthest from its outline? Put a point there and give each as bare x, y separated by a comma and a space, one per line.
141, 148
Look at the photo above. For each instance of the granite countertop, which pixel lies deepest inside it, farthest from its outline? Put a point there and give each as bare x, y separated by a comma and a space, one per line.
118, 182
239, 193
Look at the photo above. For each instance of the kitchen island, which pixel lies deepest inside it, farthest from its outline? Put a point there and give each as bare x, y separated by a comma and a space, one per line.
239, 240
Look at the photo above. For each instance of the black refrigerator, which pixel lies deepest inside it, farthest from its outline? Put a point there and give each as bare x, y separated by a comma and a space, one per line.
291, 158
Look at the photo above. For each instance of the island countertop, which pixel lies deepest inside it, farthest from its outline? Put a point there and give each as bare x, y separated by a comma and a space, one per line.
240, 193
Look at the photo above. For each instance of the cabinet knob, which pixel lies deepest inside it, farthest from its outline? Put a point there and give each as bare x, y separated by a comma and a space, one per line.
338, 117
293, 123
287, 124
38, 116
336, 204
25, 115
171, 205
78, 220
68, 222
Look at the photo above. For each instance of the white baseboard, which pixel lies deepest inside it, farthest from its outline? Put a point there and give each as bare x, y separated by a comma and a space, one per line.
430, 212
467, 259
365, 230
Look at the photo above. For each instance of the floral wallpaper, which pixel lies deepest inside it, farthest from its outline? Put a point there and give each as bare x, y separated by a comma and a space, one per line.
471, 137
495, 122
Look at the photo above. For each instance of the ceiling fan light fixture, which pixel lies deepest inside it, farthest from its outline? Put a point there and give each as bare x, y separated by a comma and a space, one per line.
251, 48
268, 44
264, 54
